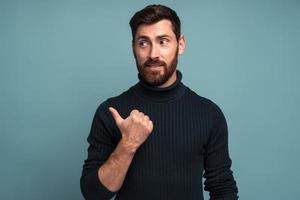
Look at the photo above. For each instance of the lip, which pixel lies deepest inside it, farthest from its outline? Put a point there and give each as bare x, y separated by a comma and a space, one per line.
154, 67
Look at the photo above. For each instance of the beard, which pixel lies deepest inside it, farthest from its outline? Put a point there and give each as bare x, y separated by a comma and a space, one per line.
157, 77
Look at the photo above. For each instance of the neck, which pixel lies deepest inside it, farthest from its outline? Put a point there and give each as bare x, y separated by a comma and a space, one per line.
165, 93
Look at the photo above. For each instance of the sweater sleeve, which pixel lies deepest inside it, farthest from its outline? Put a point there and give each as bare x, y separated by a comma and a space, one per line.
219, 180
101, 145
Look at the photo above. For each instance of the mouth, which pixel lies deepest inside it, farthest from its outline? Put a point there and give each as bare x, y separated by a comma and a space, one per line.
153, 67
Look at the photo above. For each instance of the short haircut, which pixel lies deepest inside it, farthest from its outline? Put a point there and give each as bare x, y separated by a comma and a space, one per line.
152, 14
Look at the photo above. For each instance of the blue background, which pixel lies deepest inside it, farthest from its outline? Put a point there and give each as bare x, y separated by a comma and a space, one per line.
60, 59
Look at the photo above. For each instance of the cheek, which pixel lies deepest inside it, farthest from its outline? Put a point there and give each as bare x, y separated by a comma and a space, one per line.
140, 57
168, 55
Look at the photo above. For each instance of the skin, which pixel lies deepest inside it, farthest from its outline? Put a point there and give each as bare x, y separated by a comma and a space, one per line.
157, 42
155, 49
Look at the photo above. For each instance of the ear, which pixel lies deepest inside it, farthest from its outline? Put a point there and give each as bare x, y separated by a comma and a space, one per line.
181, 44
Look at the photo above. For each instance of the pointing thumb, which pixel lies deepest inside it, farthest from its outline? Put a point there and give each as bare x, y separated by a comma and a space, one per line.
116, 115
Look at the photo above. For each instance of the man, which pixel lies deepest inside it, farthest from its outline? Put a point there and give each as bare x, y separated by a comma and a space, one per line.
154, 140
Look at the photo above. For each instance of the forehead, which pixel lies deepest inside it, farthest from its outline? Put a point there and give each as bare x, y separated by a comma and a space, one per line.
162, 27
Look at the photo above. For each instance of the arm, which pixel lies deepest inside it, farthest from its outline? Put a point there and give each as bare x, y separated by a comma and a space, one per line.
219, 179
102, 142
105, 169
112, 173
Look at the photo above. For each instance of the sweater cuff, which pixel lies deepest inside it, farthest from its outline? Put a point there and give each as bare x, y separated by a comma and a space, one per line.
233, 197
94, 189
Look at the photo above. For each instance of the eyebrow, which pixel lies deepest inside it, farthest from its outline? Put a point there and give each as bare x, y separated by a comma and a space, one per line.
159, 37
164, 36
142, 37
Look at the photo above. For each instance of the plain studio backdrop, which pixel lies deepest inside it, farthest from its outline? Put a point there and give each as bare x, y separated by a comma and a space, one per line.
60, 59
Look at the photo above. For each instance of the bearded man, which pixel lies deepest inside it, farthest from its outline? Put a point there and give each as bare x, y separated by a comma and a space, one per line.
158, 139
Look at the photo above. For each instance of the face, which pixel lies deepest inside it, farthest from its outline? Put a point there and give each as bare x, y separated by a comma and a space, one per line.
156, 50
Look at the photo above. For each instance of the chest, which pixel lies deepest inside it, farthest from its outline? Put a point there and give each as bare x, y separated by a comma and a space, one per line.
177, 131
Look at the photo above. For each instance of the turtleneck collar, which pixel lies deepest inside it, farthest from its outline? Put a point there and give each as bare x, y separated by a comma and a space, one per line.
158, 94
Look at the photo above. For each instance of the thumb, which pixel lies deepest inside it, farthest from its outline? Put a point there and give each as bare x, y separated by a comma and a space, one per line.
116, 115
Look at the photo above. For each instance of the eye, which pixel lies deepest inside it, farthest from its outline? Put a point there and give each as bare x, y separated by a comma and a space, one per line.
143, 43
164, 41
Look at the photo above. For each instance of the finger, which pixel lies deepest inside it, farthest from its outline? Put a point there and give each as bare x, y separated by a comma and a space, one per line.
116, 115
140, 116
150, 125
146, 118
134, 112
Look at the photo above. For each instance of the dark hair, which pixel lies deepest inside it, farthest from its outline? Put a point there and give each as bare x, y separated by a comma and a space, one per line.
152, 14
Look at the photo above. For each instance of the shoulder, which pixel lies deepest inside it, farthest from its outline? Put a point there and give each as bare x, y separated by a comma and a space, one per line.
205, 101
212, 108
118, 102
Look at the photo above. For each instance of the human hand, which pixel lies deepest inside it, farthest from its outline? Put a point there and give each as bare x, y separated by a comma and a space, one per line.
135, 129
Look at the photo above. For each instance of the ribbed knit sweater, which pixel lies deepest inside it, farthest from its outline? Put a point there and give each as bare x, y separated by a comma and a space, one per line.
189, 141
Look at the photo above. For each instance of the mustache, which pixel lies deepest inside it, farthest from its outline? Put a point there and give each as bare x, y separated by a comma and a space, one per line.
154, 62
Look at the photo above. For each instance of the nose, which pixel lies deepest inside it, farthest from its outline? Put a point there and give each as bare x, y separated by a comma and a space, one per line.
154, 52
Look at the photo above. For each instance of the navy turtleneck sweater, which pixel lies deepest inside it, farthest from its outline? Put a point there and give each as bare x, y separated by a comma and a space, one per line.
189, 141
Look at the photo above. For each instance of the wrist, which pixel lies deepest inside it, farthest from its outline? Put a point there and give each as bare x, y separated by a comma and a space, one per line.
128, 147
